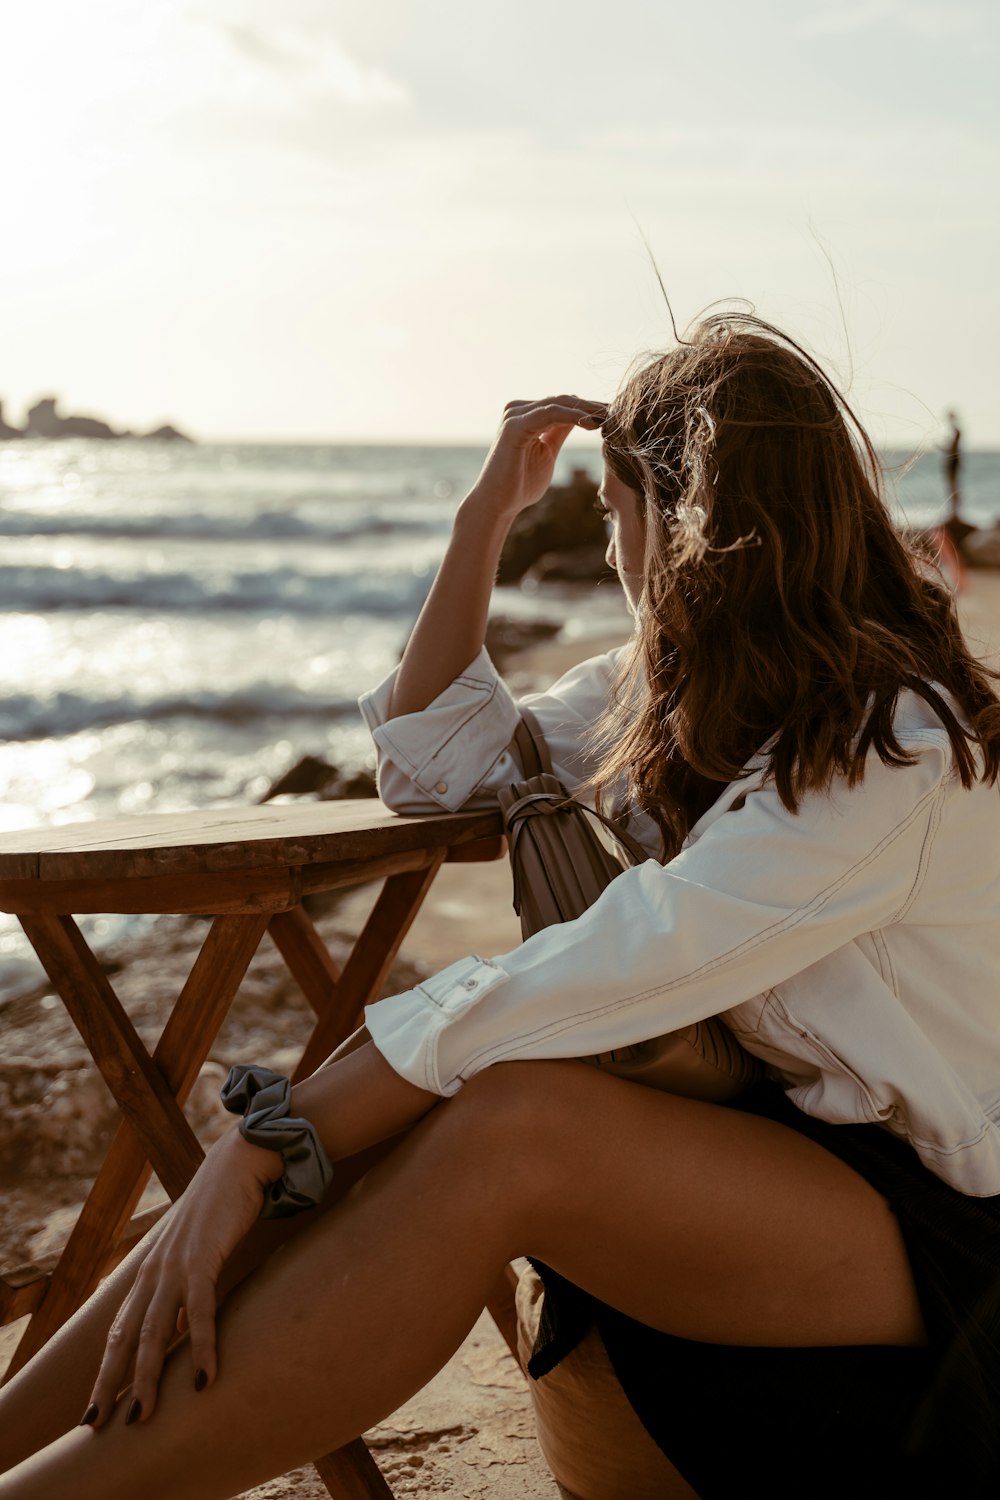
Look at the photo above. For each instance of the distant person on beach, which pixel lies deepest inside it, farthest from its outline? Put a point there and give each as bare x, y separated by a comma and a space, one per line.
952, 532
954, 526
952, 464
799, 1291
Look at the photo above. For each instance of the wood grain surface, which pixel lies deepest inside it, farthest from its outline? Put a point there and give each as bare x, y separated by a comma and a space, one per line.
219, 840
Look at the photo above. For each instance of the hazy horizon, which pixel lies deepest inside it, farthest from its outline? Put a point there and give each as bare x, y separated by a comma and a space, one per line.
582, 447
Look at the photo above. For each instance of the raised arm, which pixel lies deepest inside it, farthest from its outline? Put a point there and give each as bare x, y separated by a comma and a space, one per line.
450, 630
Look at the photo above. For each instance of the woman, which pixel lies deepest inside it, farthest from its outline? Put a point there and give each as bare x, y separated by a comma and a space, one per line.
802, 736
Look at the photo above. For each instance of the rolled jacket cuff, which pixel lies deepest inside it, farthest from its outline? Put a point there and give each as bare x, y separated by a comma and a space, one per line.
449, 747
410, 1030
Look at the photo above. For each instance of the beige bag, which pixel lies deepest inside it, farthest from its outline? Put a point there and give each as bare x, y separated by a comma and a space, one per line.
589, 1435
560, 866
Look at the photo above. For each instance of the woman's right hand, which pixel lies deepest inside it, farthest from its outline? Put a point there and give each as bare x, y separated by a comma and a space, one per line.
451, 627
519, 466
175, 1290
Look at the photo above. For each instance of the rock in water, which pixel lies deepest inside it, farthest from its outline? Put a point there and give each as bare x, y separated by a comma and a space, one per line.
982, 548
312, 774
505, 637
166, 434
564, 521
585, 565
44, 421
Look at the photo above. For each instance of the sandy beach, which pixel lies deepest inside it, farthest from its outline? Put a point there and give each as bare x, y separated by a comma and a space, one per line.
470, 1432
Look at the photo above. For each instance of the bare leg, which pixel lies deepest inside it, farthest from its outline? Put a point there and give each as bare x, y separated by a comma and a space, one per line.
681, 1215
48, 1396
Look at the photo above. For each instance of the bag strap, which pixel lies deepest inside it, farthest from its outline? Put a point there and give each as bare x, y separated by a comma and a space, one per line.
534, 802
531, 747
535, 758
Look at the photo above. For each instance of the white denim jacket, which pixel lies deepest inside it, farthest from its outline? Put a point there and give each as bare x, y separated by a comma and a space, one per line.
854, 946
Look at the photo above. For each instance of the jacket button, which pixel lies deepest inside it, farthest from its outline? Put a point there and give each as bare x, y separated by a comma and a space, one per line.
442, 786
470, 984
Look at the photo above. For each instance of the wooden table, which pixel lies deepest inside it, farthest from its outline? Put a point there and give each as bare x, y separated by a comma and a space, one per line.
248, 869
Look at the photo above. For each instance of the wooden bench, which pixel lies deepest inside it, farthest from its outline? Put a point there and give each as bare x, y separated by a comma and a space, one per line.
248, 869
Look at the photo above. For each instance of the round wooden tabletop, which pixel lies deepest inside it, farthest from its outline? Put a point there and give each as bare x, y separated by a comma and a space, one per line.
226, 839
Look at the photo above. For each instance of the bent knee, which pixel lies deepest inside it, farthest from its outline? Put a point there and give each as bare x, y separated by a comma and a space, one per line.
516, 1103
521, 1120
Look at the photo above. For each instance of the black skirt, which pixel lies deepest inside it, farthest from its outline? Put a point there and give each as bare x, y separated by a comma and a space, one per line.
842, 1421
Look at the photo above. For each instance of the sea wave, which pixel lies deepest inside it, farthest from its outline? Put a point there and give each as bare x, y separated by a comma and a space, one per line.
23, 717
267, 526
285, 590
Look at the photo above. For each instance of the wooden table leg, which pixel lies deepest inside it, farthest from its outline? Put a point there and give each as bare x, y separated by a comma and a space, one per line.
140, 1089
352, 1474
369, 963
178, 1057
306, 956
338, 998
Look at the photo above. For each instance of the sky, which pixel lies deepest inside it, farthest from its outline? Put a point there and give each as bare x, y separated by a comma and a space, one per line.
319, 220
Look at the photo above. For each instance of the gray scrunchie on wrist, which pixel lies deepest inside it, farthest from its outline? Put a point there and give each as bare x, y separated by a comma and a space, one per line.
262, 1098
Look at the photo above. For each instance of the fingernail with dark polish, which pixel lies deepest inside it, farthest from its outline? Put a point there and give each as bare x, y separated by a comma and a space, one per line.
89, 1416
134, 1413
200, 1379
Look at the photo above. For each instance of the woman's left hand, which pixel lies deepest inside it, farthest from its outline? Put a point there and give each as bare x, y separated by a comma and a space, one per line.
175, 1289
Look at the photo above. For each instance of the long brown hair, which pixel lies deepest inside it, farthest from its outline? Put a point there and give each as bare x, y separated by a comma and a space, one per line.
781, 608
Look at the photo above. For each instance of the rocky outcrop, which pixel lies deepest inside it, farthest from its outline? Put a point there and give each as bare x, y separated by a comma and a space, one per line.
312, 775
44, 421
506, 637
564, 524
981, 549
583, 565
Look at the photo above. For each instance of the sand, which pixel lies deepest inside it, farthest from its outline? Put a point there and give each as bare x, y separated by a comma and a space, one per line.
470, 1432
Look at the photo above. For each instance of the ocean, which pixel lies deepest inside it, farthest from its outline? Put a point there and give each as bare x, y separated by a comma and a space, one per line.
180, 624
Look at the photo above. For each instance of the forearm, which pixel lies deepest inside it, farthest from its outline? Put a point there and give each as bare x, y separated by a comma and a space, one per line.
518, 470
451, 628
357, 1100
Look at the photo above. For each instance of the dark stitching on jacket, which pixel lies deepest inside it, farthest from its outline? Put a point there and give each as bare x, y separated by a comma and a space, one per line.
933, 824
418, 771
886, 966
478, 709
765, 997
794, 919
933, 1148
826, 1053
